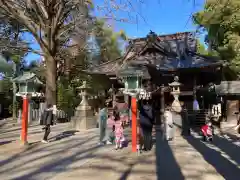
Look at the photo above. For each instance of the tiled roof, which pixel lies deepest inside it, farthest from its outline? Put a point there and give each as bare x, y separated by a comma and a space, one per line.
166, 52
170, 42
108, 68
190, 60
27, 77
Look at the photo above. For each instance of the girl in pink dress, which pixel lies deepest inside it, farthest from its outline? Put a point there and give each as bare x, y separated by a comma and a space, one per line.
118, 130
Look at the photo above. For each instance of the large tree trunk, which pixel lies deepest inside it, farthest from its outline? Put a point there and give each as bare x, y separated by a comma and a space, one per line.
51, 80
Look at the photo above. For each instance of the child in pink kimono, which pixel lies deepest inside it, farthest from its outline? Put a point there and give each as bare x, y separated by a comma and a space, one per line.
118, 130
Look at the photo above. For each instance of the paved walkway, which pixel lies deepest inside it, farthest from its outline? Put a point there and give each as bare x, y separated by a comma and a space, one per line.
79, 157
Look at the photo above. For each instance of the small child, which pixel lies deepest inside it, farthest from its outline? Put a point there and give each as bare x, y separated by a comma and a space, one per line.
118, 130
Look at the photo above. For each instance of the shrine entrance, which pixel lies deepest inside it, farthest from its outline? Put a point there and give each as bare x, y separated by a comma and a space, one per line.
150, 65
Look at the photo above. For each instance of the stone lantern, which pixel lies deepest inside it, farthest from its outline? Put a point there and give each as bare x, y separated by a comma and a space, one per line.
175, 91
28, 86
84, 115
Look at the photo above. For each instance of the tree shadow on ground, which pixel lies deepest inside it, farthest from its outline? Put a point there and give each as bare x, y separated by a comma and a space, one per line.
63, 135
9, 165
14, 128
216, 157
83, 159
5, 142
228, 146
166, 164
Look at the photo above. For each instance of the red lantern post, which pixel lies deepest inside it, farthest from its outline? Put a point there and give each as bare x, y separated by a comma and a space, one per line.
134, 124
24, 121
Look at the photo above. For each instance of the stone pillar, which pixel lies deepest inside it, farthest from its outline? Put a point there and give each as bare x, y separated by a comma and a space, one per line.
162, 106
42, 106
84, 116
30, 107
160, 123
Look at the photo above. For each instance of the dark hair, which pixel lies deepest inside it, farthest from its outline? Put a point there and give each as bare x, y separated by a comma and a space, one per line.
116, 114
49, 105
144, 102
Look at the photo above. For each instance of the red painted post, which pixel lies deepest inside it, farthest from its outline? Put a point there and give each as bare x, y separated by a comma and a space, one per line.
134, 124
24, 120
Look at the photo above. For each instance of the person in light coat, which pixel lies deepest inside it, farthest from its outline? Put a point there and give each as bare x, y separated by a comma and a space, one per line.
168, 123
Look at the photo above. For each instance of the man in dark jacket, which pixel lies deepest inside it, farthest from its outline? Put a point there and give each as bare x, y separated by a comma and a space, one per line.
146, 122
47, 121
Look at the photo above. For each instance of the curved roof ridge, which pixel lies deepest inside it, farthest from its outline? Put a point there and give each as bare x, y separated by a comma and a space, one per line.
164, 35
107, 62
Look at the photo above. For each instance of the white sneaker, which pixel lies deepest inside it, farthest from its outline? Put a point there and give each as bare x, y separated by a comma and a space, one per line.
44, 141
109, 143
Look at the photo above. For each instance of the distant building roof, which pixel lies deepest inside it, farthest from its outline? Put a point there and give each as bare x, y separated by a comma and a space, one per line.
228, 88
108, 68
27, 77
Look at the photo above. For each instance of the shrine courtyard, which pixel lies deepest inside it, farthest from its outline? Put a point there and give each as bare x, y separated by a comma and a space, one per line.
72, 155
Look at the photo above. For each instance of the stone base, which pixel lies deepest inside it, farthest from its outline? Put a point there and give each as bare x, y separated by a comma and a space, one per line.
177, 119
84, 119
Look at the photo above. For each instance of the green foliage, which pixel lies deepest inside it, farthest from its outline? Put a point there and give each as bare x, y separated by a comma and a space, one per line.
5, 85
67, 97
221, 21
10, 107
5, 68
201, 49
6, 92
108, 41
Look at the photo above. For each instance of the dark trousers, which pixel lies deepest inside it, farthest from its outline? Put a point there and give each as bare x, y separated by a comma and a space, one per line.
147, 138
47, 132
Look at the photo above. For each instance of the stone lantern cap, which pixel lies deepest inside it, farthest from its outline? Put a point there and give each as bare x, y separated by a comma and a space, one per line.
84, 86
175, 83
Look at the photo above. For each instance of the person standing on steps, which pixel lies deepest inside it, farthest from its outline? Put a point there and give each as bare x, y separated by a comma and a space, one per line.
47, 121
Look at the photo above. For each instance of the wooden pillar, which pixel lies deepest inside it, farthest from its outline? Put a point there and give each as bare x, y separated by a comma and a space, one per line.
194, 88
134, 124
113, 96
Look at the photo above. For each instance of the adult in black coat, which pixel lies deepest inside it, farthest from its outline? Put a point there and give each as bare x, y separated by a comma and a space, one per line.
146, 122
47, 121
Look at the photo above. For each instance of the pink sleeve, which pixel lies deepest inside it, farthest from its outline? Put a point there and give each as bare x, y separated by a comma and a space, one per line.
110, 122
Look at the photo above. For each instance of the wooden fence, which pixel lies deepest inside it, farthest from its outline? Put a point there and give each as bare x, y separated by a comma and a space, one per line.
35, 115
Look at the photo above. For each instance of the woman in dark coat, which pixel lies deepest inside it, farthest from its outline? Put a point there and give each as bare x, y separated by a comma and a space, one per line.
146, 124
47, 121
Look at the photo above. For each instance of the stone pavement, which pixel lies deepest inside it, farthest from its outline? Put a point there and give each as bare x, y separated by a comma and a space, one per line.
78, 156
34, 132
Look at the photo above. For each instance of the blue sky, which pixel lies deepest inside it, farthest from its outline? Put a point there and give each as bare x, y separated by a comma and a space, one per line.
160, 16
